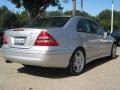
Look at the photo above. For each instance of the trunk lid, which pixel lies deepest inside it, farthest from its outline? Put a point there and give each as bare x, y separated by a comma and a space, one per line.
22, 37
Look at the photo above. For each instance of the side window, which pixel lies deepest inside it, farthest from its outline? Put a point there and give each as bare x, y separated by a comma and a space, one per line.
97, 28
84, 26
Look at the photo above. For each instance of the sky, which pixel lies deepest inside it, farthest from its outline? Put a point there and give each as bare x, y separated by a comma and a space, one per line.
93, 7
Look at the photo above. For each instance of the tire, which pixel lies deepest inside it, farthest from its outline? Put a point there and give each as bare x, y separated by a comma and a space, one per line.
113, 51
27, 66
77, 62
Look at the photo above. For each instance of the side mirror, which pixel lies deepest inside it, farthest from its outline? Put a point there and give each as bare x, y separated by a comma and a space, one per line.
108, 33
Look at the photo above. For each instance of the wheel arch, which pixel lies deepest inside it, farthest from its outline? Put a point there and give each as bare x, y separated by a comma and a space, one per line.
69, 66
83, 49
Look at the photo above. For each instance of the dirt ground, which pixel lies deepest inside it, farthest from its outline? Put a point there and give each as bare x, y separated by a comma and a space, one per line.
102, 74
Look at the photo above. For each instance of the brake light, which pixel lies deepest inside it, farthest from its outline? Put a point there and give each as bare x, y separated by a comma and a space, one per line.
45, 39
4, 38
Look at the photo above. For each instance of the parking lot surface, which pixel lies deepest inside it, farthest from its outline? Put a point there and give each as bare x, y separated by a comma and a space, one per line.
102, 74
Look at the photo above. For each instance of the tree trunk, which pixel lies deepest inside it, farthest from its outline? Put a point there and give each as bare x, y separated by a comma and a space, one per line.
39, 13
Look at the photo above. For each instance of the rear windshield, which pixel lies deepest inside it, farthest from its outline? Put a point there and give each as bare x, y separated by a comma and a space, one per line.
49, 22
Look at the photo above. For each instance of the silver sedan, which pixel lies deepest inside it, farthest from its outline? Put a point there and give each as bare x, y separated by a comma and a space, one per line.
62, 42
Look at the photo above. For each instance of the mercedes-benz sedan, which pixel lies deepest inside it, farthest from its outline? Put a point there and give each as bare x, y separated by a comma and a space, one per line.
61, 42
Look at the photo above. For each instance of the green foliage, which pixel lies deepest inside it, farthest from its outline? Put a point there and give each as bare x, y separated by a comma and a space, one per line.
35, 7
66, 13
116, 20
55, 13
104, 19
7, 18
78, 13
0, 16
10, 19
22, 18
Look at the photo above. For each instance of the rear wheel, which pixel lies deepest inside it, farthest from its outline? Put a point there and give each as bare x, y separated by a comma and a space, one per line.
113, 51
77, 62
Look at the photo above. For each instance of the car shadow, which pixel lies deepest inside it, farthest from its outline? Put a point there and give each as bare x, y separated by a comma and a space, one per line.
56, 73
97, 62
44, 72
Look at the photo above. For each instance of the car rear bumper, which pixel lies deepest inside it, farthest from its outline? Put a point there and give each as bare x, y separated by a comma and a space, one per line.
58, 59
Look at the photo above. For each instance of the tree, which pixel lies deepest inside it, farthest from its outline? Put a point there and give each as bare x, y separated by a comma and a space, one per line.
104, 19
22, 18
8, 19
55, 13
78, 13
3, 10
116, 20
35, 7
0, 16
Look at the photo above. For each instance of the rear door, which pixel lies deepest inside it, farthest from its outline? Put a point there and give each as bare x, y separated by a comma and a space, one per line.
86, 33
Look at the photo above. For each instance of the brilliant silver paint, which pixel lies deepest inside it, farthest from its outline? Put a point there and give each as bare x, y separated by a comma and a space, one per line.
95, 46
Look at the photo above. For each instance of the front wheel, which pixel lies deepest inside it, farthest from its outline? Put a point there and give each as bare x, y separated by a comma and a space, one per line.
77, 62
113, 51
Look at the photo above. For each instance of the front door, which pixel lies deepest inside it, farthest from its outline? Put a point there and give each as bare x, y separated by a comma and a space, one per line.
104, 42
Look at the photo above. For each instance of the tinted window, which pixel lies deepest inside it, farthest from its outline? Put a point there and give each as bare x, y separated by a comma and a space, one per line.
95, 26
97, 29
84, 26
49, 22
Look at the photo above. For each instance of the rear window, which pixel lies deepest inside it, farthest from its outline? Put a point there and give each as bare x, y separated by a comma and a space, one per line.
49, 22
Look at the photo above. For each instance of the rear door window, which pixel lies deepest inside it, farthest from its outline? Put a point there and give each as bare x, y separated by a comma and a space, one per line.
84, 26
95, 26
97, 29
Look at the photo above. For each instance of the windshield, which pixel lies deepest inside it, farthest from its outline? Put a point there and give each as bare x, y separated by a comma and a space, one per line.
49, 22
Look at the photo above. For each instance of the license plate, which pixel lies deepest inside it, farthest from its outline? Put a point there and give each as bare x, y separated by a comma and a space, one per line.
19, 41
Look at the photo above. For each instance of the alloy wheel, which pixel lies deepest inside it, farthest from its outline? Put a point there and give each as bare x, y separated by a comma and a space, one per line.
77, 62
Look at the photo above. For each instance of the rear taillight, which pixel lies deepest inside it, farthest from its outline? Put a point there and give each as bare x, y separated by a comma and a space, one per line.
4, 38
45, 39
